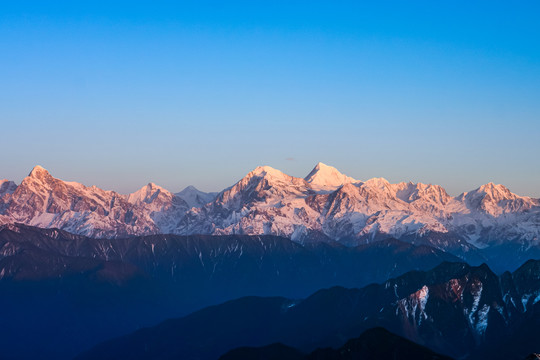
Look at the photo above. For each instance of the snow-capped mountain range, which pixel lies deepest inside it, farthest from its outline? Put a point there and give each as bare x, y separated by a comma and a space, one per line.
325, 205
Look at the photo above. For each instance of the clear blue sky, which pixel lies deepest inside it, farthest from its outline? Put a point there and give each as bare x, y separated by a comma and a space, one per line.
202, 92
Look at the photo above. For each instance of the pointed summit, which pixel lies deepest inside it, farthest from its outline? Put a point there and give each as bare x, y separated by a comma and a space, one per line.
38, 172
194, 197
491, 187
491, 191
147, 194
40, 175
324, 175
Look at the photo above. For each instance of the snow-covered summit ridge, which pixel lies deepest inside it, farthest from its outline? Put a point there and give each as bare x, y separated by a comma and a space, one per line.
38, 171
497, 200
324, 175
44, 201
326, 204
270, 174
147, 194
39, 174
267, 170
329, 204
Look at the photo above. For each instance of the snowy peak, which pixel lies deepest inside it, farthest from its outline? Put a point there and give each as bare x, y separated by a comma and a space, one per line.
40, 181
194, 197
160, 205
410, 192
490, 192
327, 176
44, 201
377, 183
40, 174
268, 177
496, 200
264, 182
325, 205
496, 192
148, 194
38, 171
269, 172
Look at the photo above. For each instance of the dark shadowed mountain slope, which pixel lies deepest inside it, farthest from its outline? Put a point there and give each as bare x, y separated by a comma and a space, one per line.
377, 344
268, 352
66, 285
373, 344
219, 266
454, 309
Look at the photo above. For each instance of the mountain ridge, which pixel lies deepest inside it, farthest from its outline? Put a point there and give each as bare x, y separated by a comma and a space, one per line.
454, 309
376, 343
325, 205
65, 285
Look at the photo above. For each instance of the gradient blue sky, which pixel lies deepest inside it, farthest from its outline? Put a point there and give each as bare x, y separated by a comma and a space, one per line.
202, 92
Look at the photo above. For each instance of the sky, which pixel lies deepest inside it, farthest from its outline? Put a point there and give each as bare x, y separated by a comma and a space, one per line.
118, 94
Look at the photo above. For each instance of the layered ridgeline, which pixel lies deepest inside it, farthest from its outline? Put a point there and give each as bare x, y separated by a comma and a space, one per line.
455, 309
325, 205
65, 285
374, 344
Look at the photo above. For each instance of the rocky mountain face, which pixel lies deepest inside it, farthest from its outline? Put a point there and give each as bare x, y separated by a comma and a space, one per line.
44, 201
324, 206
163, 207
367, 210
329, 206
455, 309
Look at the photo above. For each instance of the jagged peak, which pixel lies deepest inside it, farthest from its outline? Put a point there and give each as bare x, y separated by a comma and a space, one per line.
325, 175
410, 191
38, 172
496, 191
152, 187
431, 187
496, 200
147, 193
490, 186
38, 177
